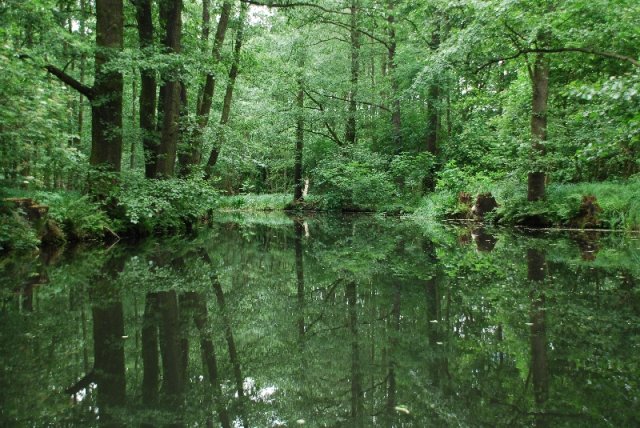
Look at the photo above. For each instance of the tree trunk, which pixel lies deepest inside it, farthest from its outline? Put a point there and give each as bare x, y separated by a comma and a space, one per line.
170, 15
433, 118
106, 106
147, 90
193, 152
297, 168
204, 107
396, 120
228, 96
350, 129
540, 88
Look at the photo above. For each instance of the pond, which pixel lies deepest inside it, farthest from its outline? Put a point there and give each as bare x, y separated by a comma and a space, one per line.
325, 321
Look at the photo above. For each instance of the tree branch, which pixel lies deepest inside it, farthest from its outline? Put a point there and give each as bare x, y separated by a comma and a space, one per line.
286, 4
346, 100
332, 131
589, 51
70, 81
359, 30
85, 90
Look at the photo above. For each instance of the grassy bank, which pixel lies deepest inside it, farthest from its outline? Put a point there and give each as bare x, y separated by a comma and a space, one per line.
140, 208
616, 205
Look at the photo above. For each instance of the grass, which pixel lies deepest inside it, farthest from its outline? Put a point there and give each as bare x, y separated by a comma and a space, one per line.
253, 202
619, 201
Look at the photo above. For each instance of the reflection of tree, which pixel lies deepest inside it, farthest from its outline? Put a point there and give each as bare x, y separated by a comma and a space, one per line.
201, 318
233, 353
357, 406
108, 344
394, 336
299, 231
162, 344
539, 361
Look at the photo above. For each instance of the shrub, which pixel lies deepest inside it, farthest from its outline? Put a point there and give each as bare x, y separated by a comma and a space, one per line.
15, 232
163, 205
81, 217
358, 182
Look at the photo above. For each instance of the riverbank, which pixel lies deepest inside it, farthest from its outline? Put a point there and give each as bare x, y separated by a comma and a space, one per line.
141, 208
605, 205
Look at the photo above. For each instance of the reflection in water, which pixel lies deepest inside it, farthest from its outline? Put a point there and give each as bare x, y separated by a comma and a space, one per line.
344, 322
539, 361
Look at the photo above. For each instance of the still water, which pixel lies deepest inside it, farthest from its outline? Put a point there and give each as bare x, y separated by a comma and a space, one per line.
269, 321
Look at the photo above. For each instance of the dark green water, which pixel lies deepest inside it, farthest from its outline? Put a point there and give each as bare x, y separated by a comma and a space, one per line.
331, 321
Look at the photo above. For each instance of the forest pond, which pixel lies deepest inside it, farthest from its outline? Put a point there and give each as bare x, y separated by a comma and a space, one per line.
325, 321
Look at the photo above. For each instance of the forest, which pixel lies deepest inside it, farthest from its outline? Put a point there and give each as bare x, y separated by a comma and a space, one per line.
136, 117
322, 213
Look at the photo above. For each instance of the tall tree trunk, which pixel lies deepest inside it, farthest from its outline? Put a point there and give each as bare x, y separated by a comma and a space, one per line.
106, 106
351, 125
171, 18
540, 88
396, 120
204, 107
147, 89
433, 118
228, 96
132, 147
297, 167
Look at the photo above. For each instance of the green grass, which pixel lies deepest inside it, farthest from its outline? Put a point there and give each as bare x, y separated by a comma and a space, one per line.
619, 201
252, 202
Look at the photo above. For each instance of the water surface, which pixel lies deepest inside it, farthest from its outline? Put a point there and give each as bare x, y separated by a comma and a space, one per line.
265, 321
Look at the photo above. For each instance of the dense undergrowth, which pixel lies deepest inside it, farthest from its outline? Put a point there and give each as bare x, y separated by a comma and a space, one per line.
136, 207
619, 203
140, 207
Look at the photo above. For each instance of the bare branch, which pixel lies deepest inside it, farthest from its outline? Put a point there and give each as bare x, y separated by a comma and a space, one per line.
85, 90
287, 4
359, 30
70, 81
344, 99
589, 51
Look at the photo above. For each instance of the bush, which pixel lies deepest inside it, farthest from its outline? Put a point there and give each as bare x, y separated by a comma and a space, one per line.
15, 232
359, 182
81, 218
250, 202
162, 205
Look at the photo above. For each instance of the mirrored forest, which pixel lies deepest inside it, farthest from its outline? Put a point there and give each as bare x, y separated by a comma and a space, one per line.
269, 320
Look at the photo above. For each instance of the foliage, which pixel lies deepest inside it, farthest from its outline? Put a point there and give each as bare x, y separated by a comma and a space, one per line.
440, 97
79, 215
163, 205
251, 202
359, 182
15, 232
